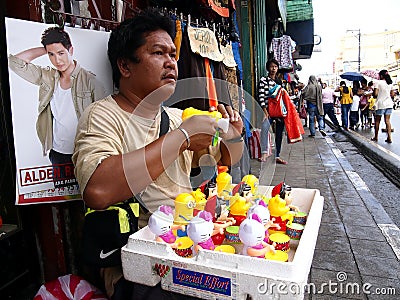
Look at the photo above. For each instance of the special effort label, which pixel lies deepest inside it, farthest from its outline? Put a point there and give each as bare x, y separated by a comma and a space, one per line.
202, 281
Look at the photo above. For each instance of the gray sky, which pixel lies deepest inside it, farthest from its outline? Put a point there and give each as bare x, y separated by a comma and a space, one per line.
333, 18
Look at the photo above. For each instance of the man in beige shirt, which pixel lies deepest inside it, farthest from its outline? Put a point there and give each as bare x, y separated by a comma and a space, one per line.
118, 151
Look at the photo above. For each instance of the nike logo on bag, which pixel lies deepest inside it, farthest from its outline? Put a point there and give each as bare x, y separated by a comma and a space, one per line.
107, 254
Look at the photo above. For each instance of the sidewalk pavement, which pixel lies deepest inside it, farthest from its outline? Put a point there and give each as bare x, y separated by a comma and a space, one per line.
355, 236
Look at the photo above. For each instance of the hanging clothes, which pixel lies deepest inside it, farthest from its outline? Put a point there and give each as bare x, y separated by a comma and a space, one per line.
191, 88
282, 49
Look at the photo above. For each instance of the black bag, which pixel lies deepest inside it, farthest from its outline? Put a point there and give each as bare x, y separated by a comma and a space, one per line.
106, 231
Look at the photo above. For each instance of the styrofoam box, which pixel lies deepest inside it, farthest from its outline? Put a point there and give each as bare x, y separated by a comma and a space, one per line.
217, 275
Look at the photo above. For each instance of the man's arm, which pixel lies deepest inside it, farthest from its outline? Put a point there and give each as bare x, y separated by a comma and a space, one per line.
118, 177
31, 54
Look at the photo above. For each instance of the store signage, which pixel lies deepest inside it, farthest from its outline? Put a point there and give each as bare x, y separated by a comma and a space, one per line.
202, 281
204, 42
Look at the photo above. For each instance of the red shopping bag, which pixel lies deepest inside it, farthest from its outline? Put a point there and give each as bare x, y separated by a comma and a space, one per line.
254, 144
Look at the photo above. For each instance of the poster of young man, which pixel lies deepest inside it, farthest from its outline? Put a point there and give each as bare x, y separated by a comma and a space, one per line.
55, 73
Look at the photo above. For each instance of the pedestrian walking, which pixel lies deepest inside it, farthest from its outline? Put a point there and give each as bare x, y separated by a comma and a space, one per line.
328, 99
346, 98
354, 113
363, 106
312, 95
265, 86
383, 104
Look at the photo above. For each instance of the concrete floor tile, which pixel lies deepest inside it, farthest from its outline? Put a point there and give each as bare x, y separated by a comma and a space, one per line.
334, 260
328, 243
356, 218
364, 233
331, 229
378, 266
372, 248
353, 200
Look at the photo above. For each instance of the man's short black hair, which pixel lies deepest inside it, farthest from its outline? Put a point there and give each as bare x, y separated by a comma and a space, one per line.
54, 35
128, 36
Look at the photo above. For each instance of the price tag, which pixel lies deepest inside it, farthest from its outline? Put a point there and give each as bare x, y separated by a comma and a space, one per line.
204, 42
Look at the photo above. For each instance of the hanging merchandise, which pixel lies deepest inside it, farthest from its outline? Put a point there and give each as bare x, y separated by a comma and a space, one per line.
191, 89
282, 49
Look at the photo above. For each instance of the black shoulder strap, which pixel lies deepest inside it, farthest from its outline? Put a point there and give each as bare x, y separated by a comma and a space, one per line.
164, 124
164, 128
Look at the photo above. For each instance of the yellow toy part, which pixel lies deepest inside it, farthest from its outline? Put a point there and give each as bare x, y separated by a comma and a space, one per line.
223, 124
184, 205
224, 183
200, 199
190, 111
238, 206
252, 181
277, 207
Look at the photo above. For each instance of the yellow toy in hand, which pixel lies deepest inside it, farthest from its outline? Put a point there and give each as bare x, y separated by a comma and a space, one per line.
223, 124
190, 111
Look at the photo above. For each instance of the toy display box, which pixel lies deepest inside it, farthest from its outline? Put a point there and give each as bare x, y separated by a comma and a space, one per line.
219, 275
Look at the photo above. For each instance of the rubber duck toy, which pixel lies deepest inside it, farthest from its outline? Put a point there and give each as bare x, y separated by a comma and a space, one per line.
284, 191
200, 229
184, 206
161, 223
261, 209
279, 213
238, 207
251, 234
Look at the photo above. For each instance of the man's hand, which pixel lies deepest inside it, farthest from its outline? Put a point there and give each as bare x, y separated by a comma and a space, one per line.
201, 129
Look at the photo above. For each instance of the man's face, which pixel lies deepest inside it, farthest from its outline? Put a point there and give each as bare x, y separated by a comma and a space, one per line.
60, 57
157, 65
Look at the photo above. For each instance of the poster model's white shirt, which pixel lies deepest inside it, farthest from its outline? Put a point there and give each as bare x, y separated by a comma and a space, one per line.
65, 120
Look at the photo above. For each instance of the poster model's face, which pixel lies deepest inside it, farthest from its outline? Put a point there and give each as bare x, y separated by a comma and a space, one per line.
60, 57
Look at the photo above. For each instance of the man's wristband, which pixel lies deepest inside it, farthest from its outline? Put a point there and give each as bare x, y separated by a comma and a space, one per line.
186, 136
235, 140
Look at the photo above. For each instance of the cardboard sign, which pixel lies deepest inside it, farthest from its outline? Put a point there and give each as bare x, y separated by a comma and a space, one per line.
204, 42
229, 60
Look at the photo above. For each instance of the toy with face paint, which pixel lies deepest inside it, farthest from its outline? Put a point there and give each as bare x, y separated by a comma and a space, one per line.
252, 181
161, 224
280, 214
285, 192
252, 233
199, 230
260, 208
184, 205
238, 207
